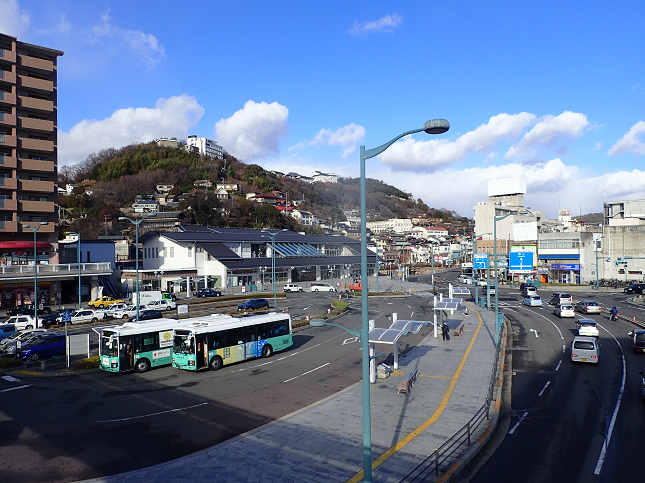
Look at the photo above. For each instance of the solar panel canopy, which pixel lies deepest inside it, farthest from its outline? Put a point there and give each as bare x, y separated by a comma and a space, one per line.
384, 336
461, 291
413, 326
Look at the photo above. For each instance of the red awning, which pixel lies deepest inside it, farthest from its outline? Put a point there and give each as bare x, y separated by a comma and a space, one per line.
11, 245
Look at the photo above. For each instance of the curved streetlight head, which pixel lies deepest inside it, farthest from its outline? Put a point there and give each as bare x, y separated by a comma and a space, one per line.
436, 126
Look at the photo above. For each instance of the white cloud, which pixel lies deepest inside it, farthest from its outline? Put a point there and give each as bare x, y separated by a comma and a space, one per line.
428, 155
62, 27
630, 143
597, 146
172, 117
144, 45
549, 131
13, 20
384, 24
347, 136
254, 131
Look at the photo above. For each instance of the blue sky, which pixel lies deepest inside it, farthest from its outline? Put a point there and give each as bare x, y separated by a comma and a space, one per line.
552, 91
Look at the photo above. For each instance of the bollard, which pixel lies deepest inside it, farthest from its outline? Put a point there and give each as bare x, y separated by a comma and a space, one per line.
43, 365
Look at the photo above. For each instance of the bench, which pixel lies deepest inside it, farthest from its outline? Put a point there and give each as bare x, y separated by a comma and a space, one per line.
459, 330
408, 382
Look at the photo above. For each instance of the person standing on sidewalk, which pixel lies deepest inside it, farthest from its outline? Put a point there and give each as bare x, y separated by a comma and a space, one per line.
445, 331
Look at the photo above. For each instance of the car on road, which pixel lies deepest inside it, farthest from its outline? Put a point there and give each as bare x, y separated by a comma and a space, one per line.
50, 319
584, 349
22, 322
253, 304
523, 285
635, 288
292, 287
46, 346
11, 344
533, 300
104, 301
27, 310
149, 314
465, 279
588, 307
7, 330
112, 308
162, 305
208, 292
490, 289
321, 287
559, 298
529, 290
638, 340
588, 327
84, 315
564, 310
129, 311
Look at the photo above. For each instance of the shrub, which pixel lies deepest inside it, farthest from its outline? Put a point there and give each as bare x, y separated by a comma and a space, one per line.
90, 363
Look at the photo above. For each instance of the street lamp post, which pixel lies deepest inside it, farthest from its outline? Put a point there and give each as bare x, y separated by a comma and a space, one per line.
475, 277
272, 235
35, 229
78, 255
136, 251
435, 126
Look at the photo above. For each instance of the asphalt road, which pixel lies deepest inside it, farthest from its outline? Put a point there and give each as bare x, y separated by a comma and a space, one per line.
65, 429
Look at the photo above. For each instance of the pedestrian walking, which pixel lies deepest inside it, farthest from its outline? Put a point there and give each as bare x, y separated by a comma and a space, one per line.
445, 331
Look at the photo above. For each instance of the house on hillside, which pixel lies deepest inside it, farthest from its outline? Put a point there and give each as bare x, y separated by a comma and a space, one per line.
319, 177
263, 198
305, 218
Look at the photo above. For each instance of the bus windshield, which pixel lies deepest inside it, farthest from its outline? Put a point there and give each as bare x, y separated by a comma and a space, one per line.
109, 343
183, 343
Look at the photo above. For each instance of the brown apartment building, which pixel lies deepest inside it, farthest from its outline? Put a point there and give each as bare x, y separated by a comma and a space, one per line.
28, 151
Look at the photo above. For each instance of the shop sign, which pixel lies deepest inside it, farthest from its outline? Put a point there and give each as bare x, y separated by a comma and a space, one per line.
560, 266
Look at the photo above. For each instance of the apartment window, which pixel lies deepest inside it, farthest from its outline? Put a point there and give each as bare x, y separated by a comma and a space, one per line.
2, 114
2, 94
38, 178
2, 135
157, 252
172, 252
190, 252
2, 53
39, 219
38, 198
2, 74
164, 252
38, 158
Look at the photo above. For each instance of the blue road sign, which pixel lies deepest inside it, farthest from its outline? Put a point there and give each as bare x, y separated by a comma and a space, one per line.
481, 261
520, 261
67, 317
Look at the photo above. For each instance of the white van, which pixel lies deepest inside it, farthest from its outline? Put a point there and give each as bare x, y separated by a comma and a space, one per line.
321, 287
584, 349
293, 287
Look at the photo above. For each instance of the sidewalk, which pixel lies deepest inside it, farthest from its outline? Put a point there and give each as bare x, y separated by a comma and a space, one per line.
323, 442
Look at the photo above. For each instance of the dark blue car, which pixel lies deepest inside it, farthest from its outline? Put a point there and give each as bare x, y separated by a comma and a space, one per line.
208, 292
253, 304
53, 345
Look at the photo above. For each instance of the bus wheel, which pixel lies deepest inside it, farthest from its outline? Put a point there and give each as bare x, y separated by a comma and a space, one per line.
142, 365
267, 351
216, 363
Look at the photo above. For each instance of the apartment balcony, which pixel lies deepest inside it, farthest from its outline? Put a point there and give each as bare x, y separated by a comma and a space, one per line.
8, 141
7, 56
8, 162
8, 205
8, 226
35, 165
37, 206
36, 124
36, 64
9, 183
37, 145
7, 99
42, 105
39, 186
7, 119
40, 85
7, 77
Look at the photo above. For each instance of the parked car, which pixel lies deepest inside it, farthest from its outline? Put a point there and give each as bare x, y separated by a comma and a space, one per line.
129, 311
638, 340
47, 346
529, 290
7, 330
27, 310
149, 314
321, 287
533, 301
111, 309
253, 304
635, 288
13, 346
105, 301
50, 319
292, 287
84, 315
489, 289
560, 297
564, 310
588, 327
588, 307
162, 305
208, 292
465, 279
11, 343
523, 285
584, 349
22, 322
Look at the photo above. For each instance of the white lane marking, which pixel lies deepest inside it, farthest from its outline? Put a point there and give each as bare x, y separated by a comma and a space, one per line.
408, 306
605, 445
151, 414
10, 379
508, 308
518, 423
412, 314
564, 348
305, 308
350, 340
305, 373
250, 368
533, 330
14, 388
557, 328
548, 383
558, 366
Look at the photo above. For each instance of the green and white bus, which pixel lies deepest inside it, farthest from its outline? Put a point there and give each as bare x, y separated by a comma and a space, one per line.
217, 340
136, 346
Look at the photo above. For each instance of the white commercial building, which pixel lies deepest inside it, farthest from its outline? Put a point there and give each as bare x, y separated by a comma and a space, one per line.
205, 146
397, 225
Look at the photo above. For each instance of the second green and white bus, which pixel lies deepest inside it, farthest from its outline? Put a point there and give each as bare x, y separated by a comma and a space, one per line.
136, 346
217, 340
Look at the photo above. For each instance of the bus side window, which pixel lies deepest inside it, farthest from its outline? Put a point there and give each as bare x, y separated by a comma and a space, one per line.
220, 339
282, 328
249, 334
150, 341
235, 337
265, 331
137, 343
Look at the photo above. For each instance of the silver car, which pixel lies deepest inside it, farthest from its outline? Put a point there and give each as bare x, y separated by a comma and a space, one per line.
29, 337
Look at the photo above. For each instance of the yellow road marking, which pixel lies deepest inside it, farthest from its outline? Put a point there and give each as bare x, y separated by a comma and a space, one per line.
440, 409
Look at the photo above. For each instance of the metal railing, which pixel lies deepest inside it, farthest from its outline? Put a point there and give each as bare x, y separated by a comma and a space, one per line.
58, 269
456, 445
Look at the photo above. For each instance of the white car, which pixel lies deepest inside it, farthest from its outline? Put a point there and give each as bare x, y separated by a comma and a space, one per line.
22, 322
162, 305
321, 287
129, 311
84, 315
22, 335
564, 310
588, 327
533, 300
293, 287
111, 309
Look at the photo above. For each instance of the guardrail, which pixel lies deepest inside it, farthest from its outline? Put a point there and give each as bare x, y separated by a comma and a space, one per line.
58, 269
458, 444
